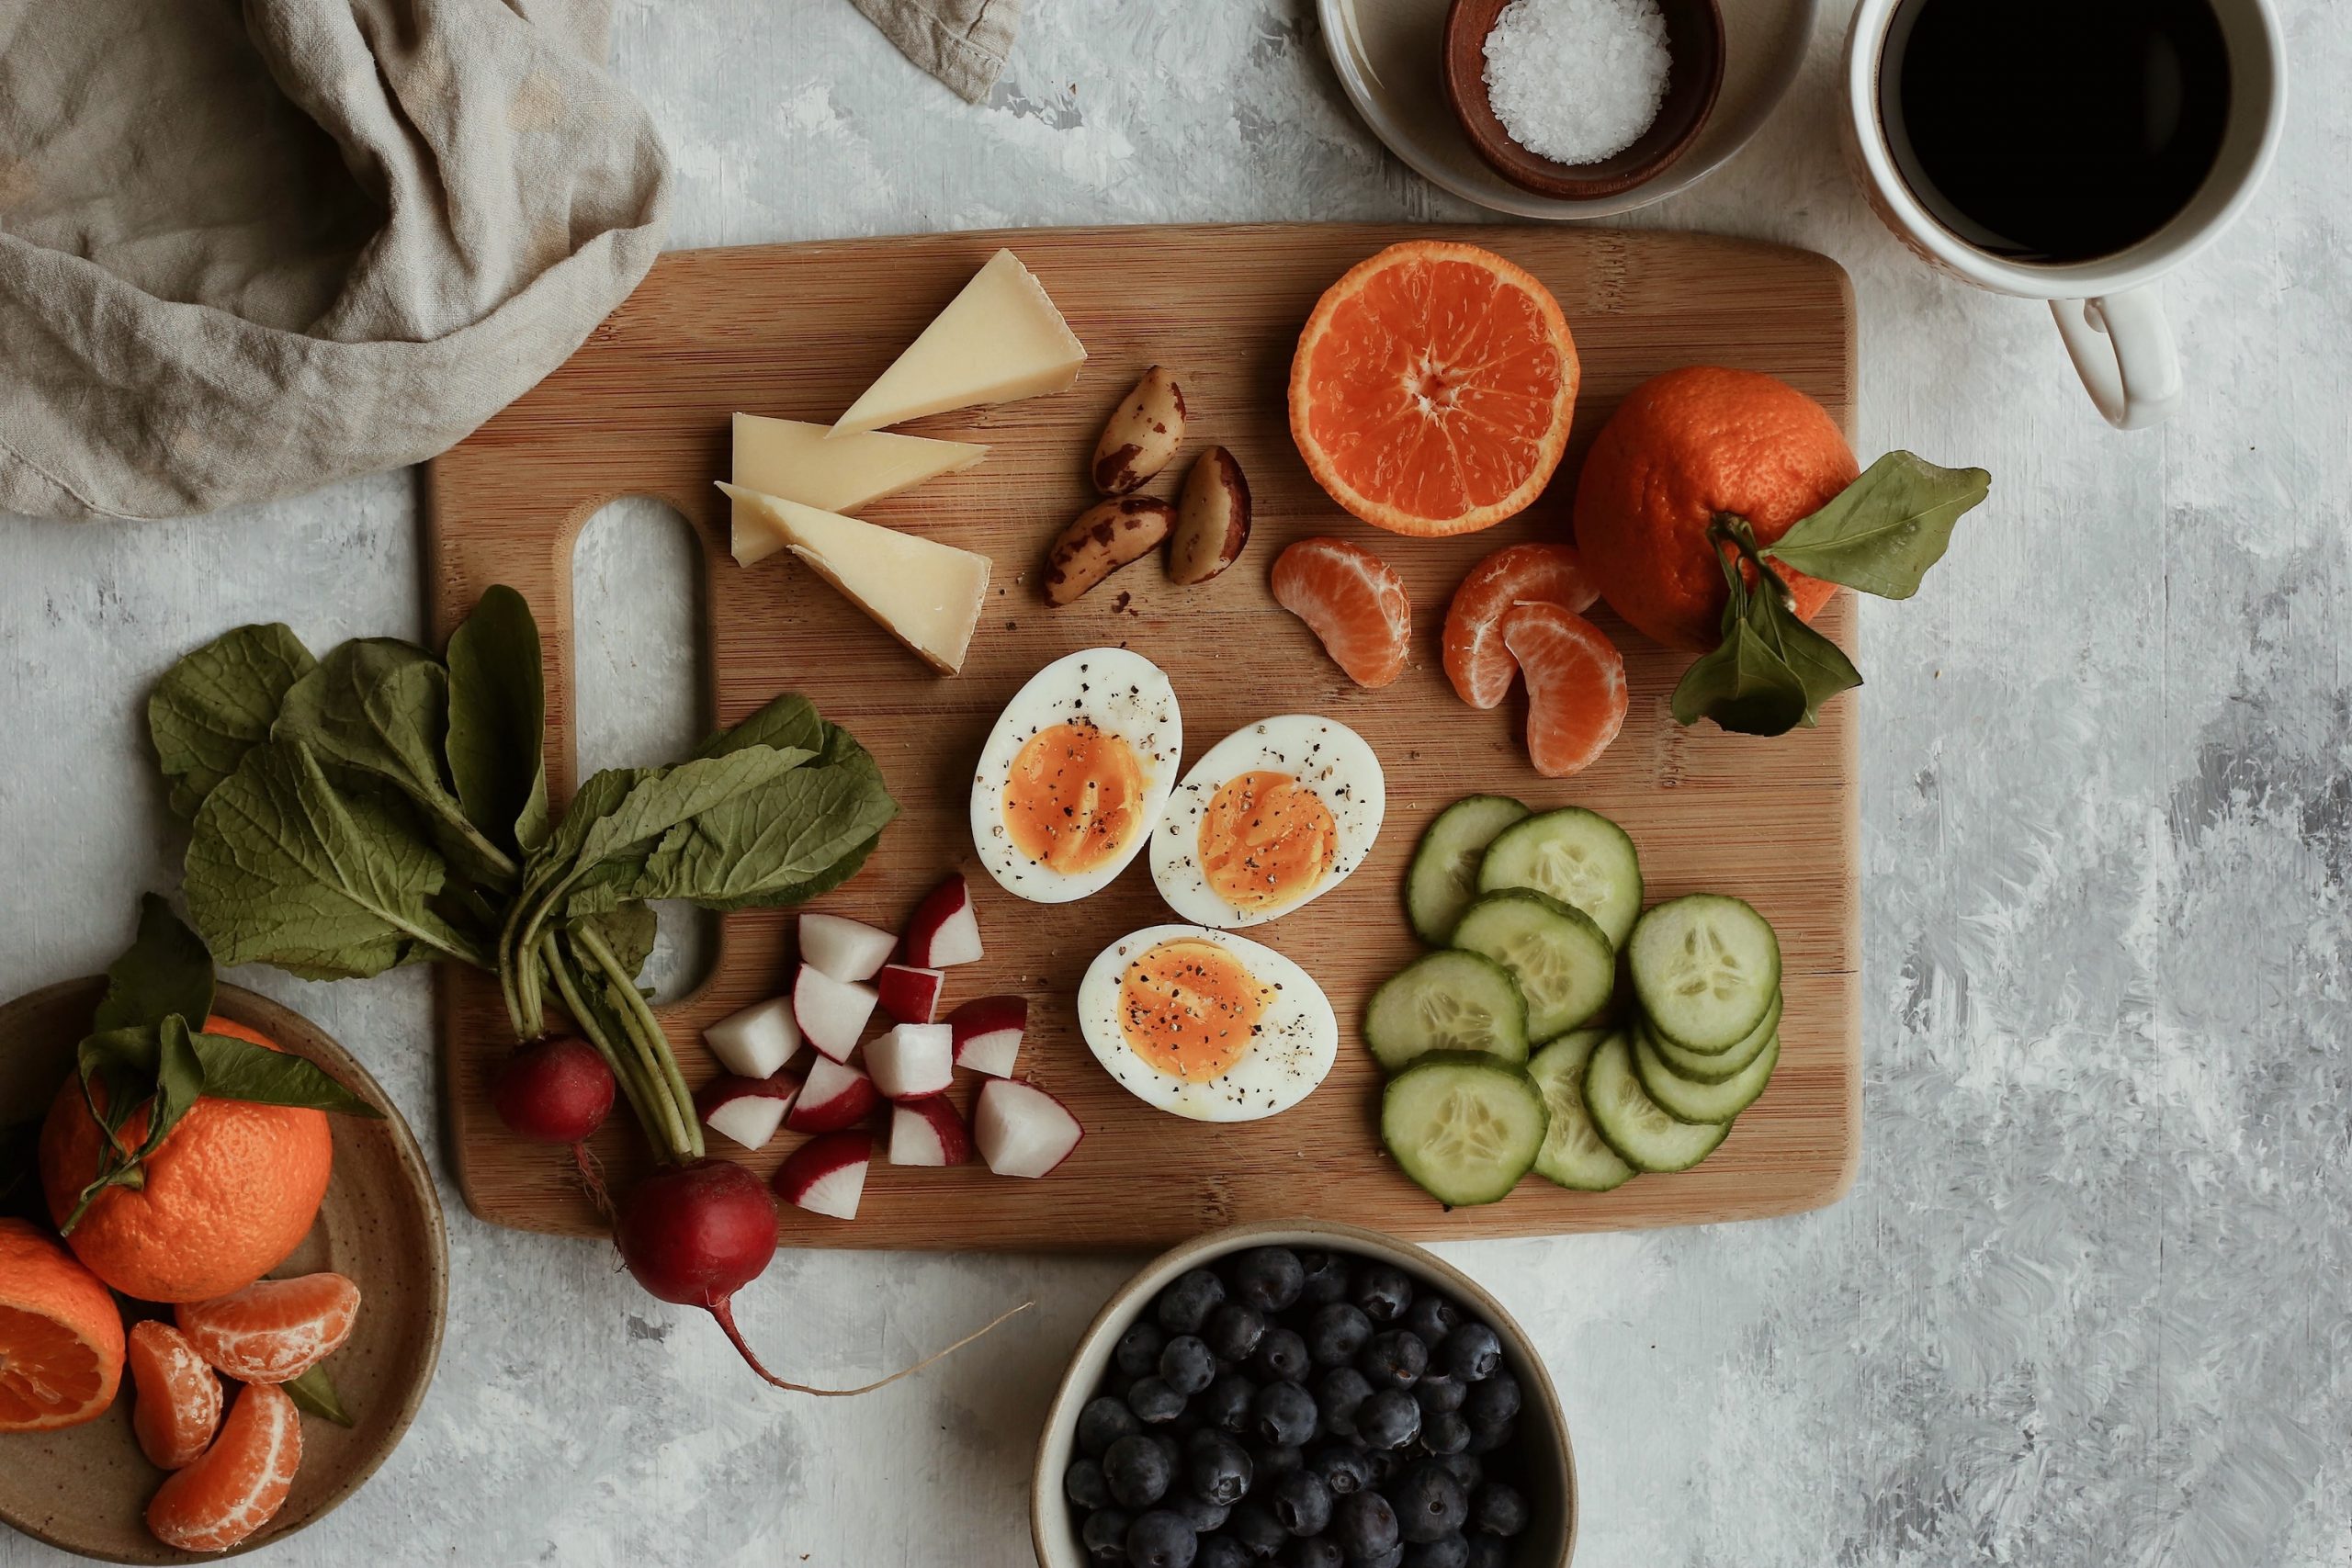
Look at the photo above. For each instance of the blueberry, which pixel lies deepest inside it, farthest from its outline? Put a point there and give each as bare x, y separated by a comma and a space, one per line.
1437, 1393
1314, 1552
1104, 1422
1384, 1293
1272, 1460
1337, 1333
1446, 1552
1342, 1467
1154, 1402
1323, 1277
1499, 1509
1472, 1352
1217, 1468
1170, 1449
1387, 1464
1105, 1534
1253, 1525
1466, 1467
1233, 1329
1186, 1365
1490, 1403
1432, 1318
1364, 1526
1225, 1405
1082, 1484
1392, 1558
1138, 1352
1445, 1433
1493, 1437
1429, 1501
1393, 1359
1489, 1551
1302, 1502
1339, 1393
1389, 1419
1136, 1470
1187, 1302
1284, 1412
1162, 1539
1221, 1552
1199, 1513
1268, 1278
1281, 1357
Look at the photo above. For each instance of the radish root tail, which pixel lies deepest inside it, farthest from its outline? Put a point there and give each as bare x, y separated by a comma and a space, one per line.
592, 1180
725, 1312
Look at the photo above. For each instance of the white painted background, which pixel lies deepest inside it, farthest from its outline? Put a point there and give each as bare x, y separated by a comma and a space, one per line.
2088, 1305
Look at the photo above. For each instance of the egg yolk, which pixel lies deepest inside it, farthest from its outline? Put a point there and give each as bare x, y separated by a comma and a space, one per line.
1265, 839
1190, 1009
1073, 798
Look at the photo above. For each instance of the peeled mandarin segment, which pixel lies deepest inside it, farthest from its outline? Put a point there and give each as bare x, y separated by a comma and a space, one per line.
177, 1409
240, 1482
1576, 686
1477, 662
275, 1330
1433, 388
1353, 601
60, 1336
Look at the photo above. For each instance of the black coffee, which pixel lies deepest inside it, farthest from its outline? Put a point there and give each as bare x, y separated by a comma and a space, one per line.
2054, 130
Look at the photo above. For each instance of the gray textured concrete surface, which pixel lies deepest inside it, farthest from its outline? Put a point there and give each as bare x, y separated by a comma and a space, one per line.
2088, 1305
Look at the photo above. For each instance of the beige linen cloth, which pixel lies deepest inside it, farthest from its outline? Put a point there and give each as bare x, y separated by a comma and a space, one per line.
246, 249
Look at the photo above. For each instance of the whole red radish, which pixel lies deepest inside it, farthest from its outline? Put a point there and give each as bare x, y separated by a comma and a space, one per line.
555, 1091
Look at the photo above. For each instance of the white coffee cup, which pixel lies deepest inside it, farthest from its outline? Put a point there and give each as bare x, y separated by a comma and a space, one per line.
2109, 309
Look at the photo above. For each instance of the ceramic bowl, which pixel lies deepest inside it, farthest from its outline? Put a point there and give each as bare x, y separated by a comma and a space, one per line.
1549, 1465
1694, 36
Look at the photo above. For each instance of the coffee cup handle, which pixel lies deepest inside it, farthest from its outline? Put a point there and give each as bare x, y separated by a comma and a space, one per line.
2121, 345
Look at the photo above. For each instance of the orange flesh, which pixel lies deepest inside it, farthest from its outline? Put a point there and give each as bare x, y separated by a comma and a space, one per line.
272, 1330
47, 1371
1266, 840
178, 1403
1073, 798
1190, 1009
242, 1480
60, 1336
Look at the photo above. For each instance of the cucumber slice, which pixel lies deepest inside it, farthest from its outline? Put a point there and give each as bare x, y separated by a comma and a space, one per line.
1630, 1121
1579, 857
1706, 967
1572, 1155
1446, 1001
1466, 1128
1688, 1101
1703, 1066
1444, 877
1564, 964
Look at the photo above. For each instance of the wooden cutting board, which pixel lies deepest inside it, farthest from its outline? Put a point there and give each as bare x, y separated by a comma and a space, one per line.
799, 331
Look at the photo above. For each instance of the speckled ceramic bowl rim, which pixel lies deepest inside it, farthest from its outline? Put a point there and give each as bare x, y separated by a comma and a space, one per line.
282, 1023
1058, 1436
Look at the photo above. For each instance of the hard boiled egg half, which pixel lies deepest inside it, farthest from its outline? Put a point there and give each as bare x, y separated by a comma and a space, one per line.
1075, 774
1275, 813
1206, 1024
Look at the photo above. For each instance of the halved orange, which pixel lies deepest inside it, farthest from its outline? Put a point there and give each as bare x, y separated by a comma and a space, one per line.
60, 1336
1433, 388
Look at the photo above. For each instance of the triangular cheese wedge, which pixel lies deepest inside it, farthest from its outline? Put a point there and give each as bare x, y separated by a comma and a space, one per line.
1000, 340
926, 594
794, 461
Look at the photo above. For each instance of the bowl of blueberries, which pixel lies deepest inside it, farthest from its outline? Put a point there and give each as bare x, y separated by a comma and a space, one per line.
1307, 1394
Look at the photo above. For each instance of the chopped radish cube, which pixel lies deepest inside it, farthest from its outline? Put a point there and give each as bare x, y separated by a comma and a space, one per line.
844, 949
1022, 1129
908, 994
831, 1013
943, 931
747, 1110
912, 1060
754, 1043
928, 1132
833, 1097
826, 1175
987, 1033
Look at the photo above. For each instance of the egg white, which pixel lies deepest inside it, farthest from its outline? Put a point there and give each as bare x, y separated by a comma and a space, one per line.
1297, 1038
1326, 756
1119, 693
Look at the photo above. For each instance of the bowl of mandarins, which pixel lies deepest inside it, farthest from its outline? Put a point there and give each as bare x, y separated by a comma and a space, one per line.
210, 1337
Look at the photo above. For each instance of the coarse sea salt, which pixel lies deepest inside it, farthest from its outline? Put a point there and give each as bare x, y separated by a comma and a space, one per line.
1577, 81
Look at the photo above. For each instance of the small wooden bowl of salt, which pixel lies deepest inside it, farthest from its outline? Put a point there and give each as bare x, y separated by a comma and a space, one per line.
1582, 99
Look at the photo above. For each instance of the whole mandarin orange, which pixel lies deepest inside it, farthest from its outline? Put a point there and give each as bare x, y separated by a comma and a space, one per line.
1683, 447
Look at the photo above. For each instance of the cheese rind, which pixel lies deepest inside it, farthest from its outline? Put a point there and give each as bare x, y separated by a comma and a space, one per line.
803, 462
926, 594
1000, 340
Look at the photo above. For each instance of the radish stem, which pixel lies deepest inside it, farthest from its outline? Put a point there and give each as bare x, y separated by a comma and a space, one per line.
625, 1071
647, 1031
